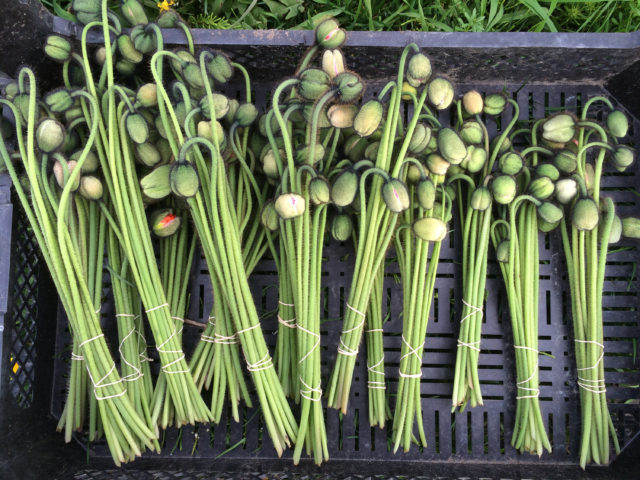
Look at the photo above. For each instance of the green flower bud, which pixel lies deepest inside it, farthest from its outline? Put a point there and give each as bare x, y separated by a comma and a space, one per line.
559, 128
371, 152
59, 100
329, 35
548, 170
164, 223
71, 141
451, 146
438, 212
471, 132
133, 12
269, 217
169, 19
87, 10
156, 183
550, 212
589, 177
355, 147
192, 75
430, 229
270, 164
349, 87
128, 50
510, 163
137, 128
631, 227
420, 138
368, 118
437, 164
166, 154
91, 188
341, 227
230, 117
414, 174
21, 102
58, 173
585, 215
426, 193
503, 188
475, 159
50, 135
622, 157
333, 62
451, 192
11, 89
220, 105
100, 55
618, 124
303, 152
147, 154
313, 84
308, 112
472, 102
566, 190
341, 115
345, 188
546, 227
58, 48
615, 235
290, 205
319, 191
147, 95
440, 93
220, 68
246, 114
125, 67
565, 161
91, 161
418, 70
505, 146
502, 251
541, 188
457, 169
395, 195
183, 179
481, 198
495, 104
204, 130
144, 39
184, 56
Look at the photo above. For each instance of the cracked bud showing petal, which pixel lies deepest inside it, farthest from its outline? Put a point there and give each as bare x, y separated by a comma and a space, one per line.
290, 205
341, 227
494, 104
368, 118
345, 188
329, 35
618, 124
349, 87
246, 114
342, 116
50, 135
473, 103
91, 187
269, 217
451, 146
418, 70
430, 229
164, 223
58, 173
585, 215
58, 48
333, 62
319, 191
631, 227
183, 179
510, 163
133, 12
502, 251
504, 188
440, 93
560, 128
395, 195
549, 212
481, 198
566, 190
313, 84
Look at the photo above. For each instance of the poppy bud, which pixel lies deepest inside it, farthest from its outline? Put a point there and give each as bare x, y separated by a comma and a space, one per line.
631, 227
541, 188
59, 100
420, 138
147, 95
246, 114
451, 146
342, 116
368, 118
133, 12
183, 179
164, 223
617, 123
494, 104
313, 84
341, 227
426, 193
333, 62
471, 132
418, 70
91, 188
472, 102
510, 163
269, 217
289, 205
319, 192
137, 128
585, 215
349, 87
503, 187
565, 190
50, 135
58, 48
345, 188
220, 68
430, 229
395, 195
329, 34
550, 212
156, 183
502, 251
58, 173
559, 129
440, 93
547, 170
481, 198
565, 161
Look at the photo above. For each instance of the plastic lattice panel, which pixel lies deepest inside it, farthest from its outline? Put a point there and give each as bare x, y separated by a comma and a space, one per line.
480, 434
24, 312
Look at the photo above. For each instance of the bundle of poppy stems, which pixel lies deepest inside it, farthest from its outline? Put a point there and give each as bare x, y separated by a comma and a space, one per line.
141, 161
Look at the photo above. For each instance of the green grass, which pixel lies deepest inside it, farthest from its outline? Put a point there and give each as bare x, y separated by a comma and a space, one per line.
444, 16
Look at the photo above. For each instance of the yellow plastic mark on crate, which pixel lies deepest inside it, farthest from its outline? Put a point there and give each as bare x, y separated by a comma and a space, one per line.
16, 367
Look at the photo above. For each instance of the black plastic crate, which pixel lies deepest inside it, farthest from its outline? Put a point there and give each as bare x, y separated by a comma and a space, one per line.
547, 71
